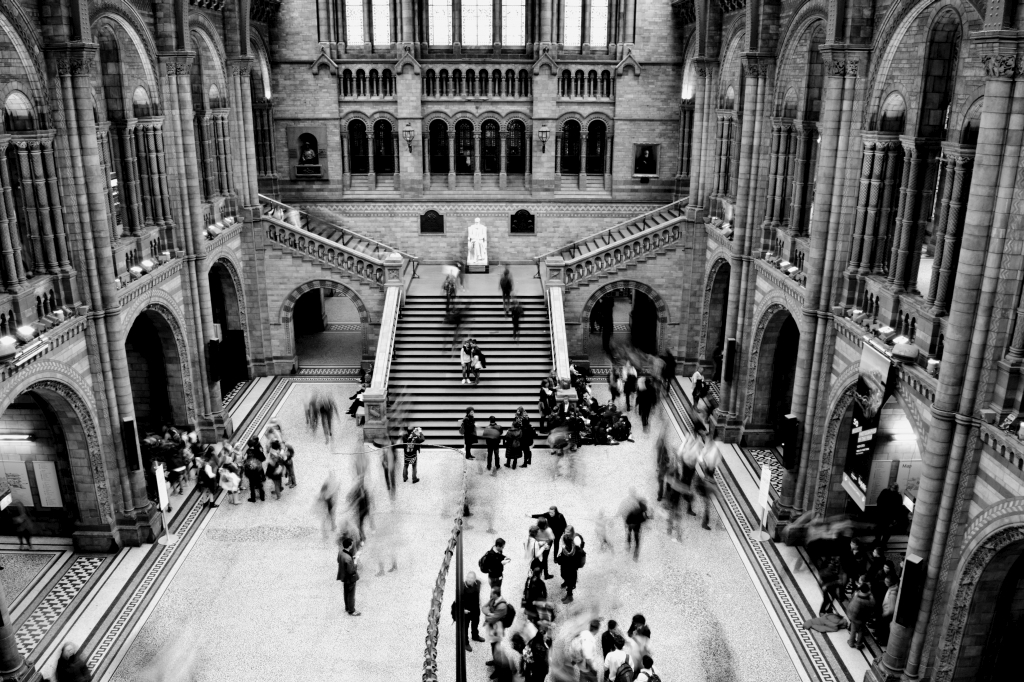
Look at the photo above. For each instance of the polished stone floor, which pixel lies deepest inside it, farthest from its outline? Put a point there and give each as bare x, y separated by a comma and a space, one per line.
257, 591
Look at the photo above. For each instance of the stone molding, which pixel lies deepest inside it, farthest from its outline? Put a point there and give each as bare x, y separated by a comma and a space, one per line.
1003, 65
288, 304
843, 67
829, 443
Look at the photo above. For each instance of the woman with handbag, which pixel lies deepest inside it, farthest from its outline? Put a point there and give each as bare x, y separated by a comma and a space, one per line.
467, 429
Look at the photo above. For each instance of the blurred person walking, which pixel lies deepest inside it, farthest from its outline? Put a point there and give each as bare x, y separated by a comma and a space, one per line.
505, 284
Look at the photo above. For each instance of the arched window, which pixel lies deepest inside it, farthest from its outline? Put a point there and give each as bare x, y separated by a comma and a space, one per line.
361, 83
606, 84
571, 148
496, 83
596, 147
477, 22
464, 147
457, 83
471, 83
524, 83
374, 83
358, 145
348, 88
592, 84
141, 106
490, 141
381, 22
440, 21
442, 83
513, 22
598, 37
18, 113
510, 83
515, 164
354, 22
383, 148
573, 23
430, 84
484, 79
388, 83
566, 84
438, 147
578, 85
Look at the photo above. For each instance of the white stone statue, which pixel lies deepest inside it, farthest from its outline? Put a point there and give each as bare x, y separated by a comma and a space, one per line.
477, 244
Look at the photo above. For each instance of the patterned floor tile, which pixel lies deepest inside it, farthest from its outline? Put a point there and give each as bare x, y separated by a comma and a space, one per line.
56, 603
767, 457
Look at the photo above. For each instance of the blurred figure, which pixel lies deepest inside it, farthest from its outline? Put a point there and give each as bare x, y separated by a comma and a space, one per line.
601, 532
707, 486
505, 284
517, 311
71, 666
174, 662
327, 407
635, 513
24, 527
455, 318
413, 439
471, 607
449, 287
329, 499
629, 380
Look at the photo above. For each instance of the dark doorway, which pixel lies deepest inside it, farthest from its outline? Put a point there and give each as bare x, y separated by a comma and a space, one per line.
233, 360
571, 148
643, 325
464, 148
516, 149
383, 148
596, 138
783, 372
154, 372
359, 148
490, 141
439, 147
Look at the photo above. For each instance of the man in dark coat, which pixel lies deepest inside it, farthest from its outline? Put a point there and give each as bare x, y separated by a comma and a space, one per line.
471, 607
348, 574
556, 522
71, 667
505, 283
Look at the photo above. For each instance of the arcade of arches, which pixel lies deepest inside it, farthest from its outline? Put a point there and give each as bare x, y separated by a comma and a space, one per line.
213, 211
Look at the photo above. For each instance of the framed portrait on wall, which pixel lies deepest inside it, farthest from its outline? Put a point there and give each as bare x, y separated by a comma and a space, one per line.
645, 160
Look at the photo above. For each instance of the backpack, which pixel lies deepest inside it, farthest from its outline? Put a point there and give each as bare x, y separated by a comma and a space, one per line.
651, 677
484, 562
252, 464
510, 616
624, 673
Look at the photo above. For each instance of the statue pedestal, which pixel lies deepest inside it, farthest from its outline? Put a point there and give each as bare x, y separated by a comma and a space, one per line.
476, 258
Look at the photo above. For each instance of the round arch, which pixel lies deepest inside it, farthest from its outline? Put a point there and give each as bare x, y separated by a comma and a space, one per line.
767, 334
631, 285
67, 398
990, 556
288, 305
806, 16
231, 345
837, 413
718, 275
165, 317
128, 25
26, 44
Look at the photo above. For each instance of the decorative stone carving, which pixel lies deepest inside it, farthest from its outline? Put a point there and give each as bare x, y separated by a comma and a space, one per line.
755, 351
999, 65
829, 444
74, 66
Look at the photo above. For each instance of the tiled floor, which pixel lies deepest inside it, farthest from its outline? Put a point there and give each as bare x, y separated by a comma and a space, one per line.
260, 579
21, 570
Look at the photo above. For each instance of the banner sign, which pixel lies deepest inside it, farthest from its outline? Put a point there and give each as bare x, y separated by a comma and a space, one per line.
876, 384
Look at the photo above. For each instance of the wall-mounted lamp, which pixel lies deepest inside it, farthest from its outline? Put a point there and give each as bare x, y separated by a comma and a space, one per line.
544, 133
408, 134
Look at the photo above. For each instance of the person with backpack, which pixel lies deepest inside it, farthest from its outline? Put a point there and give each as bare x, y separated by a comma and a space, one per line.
557, 523
467, 429
275, 470
571, 558
647, 673
617, 664
636, 515
413, 438
254, 459
496, 614
478, 362
513, 446
493, 563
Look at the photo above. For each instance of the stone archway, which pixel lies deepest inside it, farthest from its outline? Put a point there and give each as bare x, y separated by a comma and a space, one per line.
829, 461
661, 308
82, 476
716, 295
160, 344
229, 311
770, 375
288, 307
978, 587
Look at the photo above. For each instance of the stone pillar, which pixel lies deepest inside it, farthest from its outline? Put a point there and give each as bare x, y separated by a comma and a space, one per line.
34, 246
883, 163
946, 172
585, 25
906, 215
249, 193
408, 35
868, 160
719, 156
476, 160
545, 21
496, 37
146, 174
629, 22
801, 161
786, 144
582, 178
953, 228
456, 24
985, 233
165, 192
773, 172
40, 190
451, 159
220, 136
10, 244
130, 172
893, 163
371, 178
698, 151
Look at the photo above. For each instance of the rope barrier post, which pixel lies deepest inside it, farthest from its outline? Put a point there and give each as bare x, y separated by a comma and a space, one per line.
460, 638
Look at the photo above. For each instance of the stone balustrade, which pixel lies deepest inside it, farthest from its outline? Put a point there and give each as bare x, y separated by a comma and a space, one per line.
355, 264
375, 399
616, 254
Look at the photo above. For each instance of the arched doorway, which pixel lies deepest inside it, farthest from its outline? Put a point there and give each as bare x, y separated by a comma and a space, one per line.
490, 154
383, 148
155, 374
438, 147
716, 303
571, 148
358, 145
773, 373
40, 435
464, 148
328, 329
987, 619
233, 360
620, 317
516, 148
596, 147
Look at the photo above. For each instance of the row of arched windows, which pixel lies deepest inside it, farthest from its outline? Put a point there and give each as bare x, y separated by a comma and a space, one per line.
576, 154
447, 152
580, 85
377, 147
380, 84
482, 83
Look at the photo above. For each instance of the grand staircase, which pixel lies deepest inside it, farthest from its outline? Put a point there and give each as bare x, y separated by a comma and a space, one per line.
426, 375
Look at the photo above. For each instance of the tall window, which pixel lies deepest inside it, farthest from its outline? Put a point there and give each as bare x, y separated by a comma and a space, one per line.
381, 22
573, 31
354, 22
598, 23
440, 22
477, 18
513, 21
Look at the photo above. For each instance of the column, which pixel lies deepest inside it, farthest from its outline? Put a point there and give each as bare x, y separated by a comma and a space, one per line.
786, 144
925, 200
28, 197
628, 21
586, 24
10, 246
906, 217
103, 139
408, 35
165, 193
946, 172
558, 153
582, 180
868, 156
451, 159
367, 24
395, 141
60, 239
456, 22
476, 160
773, 173
890, 188
371, 178
608, 156
875, 198
220, 128
133, 202
800, 167
719, 155
954, 228
43, 206
250, 193
145, 175
496, 23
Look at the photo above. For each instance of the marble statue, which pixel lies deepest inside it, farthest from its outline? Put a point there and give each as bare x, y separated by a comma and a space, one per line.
477, 244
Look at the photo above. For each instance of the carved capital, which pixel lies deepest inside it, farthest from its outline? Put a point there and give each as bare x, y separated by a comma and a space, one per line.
241, 66
75, 66
1001, 65
177, 63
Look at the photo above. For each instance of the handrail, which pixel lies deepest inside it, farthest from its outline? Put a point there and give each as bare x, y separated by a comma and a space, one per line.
559, 342
573, 245
359, 264
306, 218
375, 399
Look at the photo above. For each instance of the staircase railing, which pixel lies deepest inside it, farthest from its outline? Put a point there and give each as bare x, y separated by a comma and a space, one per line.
553, 282
575, 248
583, 267
358, 265
304, 221
375, 399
